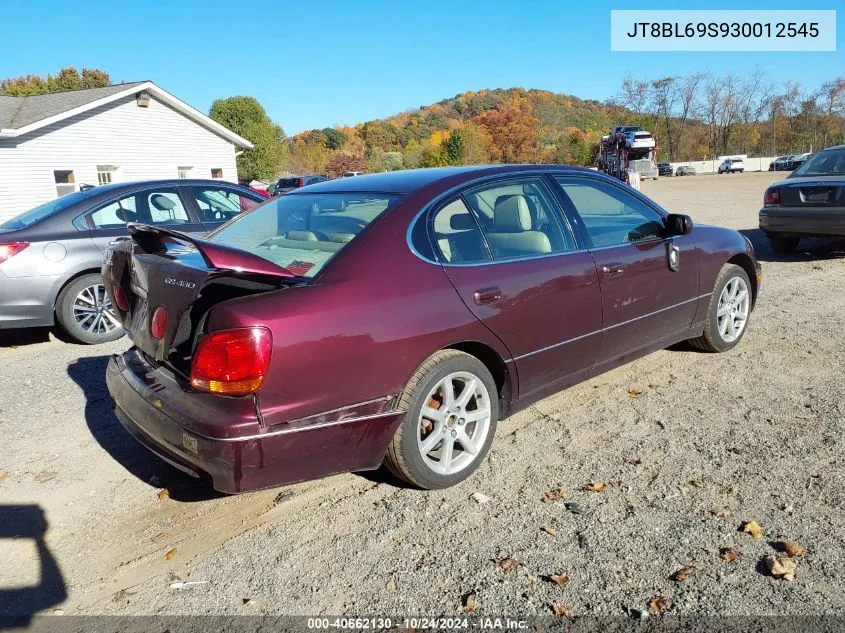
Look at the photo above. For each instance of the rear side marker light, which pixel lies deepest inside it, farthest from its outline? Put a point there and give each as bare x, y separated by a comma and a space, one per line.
158, 323
120, 298
772, 196
232, 362
11, 249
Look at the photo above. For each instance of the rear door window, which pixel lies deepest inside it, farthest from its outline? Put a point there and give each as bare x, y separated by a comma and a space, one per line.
456, 235
115, 214
165, 207
221, 204
519, 219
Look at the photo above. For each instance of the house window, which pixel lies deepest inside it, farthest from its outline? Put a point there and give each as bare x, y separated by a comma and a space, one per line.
216, 172
65, 182
105, 174
184, 172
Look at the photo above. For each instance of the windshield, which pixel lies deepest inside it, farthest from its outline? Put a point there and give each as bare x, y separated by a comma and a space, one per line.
302, 232
28, 218
828, 163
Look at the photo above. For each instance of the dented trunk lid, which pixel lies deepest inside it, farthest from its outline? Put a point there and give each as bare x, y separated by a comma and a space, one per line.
185, 275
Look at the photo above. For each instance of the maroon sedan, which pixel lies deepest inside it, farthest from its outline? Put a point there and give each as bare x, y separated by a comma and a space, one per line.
396, 318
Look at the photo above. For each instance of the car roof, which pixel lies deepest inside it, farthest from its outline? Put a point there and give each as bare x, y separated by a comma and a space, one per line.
408, 180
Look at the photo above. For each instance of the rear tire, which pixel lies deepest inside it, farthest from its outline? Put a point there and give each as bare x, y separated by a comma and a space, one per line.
415, 454
783, 245
728, 312
84, 311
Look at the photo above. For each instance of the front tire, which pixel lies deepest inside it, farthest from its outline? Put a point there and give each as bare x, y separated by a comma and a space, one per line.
728, 313
85, 312
452, 409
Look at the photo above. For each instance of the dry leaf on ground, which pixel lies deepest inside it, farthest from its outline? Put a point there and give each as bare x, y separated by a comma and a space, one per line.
730, 554
657, 604
594, 487
508, 564
793, 549
682, 574
696, 483
634, 392
753, 528
470, 603
561, 610
171, 554
3, 475
559, 579
549, 530
720, 513
554, 495
163, 494
781, 566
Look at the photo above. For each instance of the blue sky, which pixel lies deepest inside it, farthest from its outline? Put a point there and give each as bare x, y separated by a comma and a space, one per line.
326, 62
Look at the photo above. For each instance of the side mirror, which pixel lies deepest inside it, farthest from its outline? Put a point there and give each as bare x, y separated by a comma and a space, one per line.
678, 224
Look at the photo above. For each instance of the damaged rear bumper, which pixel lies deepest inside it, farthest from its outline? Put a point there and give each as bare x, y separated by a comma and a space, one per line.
221, 438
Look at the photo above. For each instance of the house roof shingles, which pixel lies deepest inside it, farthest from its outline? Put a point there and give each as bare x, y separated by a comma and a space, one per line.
17, 112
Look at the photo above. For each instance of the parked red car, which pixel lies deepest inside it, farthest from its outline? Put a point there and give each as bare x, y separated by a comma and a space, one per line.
396, 318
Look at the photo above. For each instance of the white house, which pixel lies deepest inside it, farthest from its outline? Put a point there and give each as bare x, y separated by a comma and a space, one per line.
52, 144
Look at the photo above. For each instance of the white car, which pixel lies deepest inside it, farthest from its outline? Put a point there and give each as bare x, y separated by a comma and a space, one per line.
639, 139
352, 174
730, 165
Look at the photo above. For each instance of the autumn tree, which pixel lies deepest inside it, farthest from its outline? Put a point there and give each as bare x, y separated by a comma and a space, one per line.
339, 163
247, 118
66, 79
514, 130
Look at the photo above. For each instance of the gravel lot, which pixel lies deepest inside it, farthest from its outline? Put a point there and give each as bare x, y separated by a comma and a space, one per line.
755, 434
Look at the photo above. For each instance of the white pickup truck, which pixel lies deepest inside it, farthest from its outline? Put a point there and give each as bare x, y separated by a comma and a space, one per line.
730, 165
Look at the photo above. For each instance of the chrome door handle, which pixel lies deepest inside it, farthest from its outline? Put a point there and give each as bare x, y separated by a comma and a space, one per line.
117, 241
613, 270
487, 296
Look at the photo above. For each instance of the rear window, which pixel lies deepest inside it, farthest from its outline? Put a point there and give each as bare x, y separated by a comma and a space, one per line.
302, 232
827, 163
288, 183
40, 212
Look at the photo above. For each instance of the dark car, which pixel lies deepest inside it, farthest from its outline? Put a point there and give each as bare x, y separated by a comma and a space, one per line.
295, 182
809, 202
397, 317
50, 256
664, 169
685, 171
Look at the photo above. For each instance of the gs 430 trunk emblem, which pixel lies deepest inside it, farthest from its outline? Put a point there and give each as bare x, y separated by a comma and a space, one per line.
181, 283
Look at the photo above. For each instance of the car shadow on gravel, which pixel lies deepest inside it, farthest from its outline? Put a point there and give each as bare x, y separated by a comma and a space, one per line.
90, 374
20, 337
809, 249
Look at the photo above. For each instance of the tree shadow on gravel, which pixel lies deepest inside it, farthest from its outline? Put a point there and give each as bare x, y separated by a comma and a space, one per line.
90, 374
18, 604
809, 249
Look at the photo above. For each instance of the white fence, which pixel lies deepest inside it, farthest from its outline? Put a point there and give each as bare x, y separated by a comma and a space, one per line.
712, 166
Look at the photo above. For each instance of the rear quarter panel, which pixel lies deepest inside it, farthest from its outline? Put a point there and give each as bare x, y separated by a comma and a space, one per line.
361, 329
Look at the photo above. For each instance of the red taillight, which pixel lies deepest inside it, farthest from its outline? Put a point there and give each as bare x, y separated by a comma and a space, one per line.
11, 249
158, 323
232, 362
120, 298
772, 196
301, 183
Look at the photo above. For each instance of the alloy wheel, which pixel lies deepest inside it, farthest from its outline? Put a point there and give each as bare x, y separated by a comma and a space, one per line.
732, 311
454, 423
93, 311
